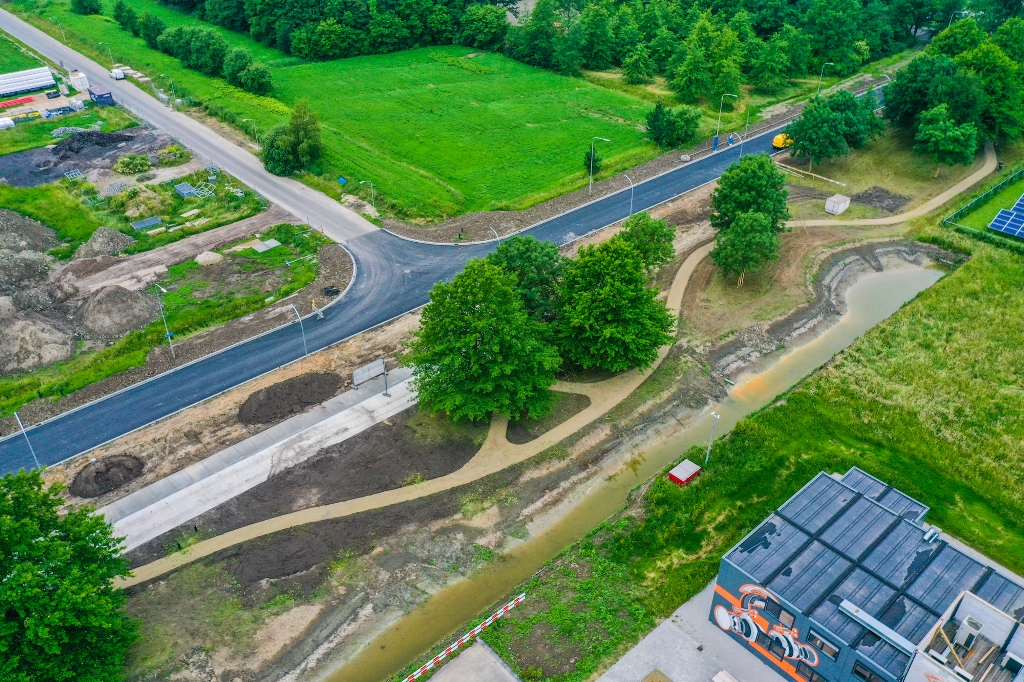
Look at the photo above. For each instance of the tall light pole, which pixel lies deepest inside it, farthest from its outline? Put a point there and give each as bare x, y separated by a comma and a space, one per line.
496, 235
167, 331
173, 95
302, 329
822, 75
603, 139
712, 439
746, 129
630, 193
721, 104
30, 448
111, 53
373, 194
255, 134
959, 11
61, 27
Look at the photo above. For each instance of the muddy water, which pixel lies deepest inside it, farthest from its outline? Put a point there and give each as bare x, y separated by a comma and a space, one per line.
869, 301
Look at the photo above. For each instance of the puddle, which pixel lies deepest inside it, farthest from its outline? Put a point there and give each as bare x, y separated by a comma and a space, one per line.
870, 300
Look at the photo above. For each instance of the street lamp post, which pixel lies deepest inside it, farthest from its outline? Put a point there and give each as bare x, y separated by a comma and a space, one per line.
174, 96
61, 26
603, 139
822, 75
746, 129
959, 11
373, 194
721, 104
255, 133
496, 235
712, 439
30, 448
111, 53
302, 329
167, 331
630, 193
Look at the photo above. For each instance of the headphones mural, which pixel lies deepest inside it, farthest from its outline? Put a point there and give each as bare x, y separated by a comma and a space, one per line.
746, 621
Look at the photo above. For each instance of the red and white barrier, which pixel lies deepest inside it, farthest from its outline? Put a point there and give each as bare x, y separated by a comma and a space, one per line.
436, 660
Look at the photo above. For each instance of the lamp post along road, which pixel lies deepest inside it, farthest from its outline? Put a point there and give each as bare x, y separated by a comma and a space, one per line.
167, 331
603, 139
30, 448
721, 104
302, 329
712, 439
109, 52
822, 75
630, 193
373, 194
61, 27
255, 133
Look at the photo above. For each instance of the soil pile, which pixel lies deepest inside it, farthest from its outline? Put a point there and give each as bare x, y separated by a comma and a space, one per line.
104, 242
104, 475
28, 341
23, 269
288, 397
19, 233
76, 143
881, 198
113, 311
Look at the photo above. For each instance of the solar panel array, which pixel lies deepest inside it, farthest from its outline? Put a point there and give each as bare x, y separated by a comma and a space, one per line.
1010, 221
861, 540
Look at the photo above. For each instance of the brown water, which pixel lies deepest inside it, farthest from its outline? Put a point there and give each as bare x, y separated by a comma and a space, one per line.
870, 301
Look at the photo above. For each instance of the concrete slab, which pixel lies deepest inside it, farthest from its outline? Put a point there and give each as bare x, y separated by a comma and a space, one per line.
688, 647
173, 500
478, 663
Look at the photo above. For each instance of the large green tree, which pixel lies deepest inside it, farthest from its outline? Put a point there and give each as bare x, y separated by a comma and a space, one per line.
478, 351
669, 129
771, 66
943, 140
607, 315
1010, 37
293, 147
484, 26
961, 36
537, 267
746, 246
61, 618
999, 76
650, 238
752, 184
638, 67
859, 123
818, 133
597, 44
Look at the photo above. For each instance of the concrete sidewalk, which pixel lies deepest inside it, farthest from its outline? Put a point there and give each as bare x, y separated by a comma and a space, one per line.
688, 647
478, 663
171, 501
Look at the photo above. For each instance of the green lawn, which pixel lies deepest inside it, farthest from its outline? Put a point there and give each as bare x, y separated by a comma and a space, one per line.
38, 133
194, 303
14, 58
929, 401
980, 219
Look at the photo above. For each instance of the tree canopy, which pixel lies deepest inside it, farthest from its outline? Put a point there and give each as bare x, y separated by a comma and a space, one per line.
830, 126
945, 141
537, 267
650, 238
293, 147
478, 351
607, 315
670, 128
746, 246
62, 618
752, 184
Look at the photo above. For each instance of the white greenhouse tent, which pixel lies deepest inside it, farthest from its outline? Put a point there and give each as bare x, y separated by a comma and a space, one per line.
24, 81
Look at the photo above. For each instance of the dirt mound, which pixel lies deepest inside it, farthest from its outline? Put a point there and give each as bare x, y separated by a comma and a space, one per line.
881, 198
112, 311
19, 233
104, 475
76, 143
288, 397
104, 242
28, 341
19, 269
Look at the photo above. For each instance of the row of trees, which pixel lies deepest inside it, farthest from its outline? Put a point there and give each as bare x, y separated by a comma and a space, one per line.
493, 338
831, 126
198, 48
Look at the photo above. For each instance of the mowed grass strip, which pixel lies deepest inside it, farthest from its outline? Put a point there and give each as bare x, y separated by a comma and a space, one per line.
930, 401
438, 133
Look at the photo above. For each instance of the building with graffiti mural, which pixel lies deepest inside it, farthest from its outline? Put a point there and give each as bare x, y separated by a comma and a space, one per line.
845, 582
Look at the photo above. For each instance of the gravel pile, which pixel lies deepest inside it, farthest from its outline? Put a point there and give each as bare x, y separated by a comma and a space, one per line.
115, 188
88, 138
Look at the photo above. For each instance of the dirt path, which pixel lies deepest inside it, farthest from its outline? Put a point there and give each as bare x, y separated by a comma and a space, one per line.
133, 272
991, 163
496, 454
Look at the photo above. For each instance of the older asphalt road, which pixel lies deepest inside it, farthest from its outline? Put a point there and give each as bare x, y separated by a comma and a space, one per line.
393, 276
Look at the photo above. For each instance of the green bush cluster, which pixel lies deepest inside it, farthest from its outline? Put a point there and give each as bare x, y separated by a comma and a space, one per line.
130, 164
198, 48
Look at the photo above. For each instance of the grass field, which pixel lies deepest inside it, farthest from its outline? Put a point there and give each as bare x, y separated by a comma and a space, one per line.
192, 304
38, 133
980, 219
14, 58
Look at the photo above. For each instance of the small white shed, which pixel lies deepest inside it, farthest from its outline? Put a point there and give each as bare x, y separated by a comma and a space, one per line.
837, 204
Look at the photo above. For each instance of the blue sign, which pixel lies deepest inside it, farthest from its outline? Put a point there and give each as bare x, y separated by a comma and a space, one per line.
342, 181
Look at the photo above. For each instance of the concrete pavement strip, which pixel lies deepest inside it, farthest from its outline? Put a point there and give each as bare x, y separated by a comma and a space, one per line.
478, 663
174, 500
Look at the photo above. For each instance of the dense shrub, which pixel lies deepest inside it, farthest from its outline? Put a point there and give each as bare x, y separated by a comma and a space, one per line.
86, 6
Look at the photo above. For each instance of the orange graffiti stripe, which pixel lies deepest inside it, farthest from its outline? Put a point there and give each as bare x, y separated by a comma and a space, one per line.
786, 667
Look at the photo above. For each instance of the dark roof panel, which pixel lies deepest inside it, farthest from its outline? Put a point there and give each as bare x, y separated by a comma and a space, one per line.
1003, 594
860, 588
858, 528
864, 483
808, 575
817, 503
767, 548
901, 554
902, 505
883, 654
949, 574
909, 618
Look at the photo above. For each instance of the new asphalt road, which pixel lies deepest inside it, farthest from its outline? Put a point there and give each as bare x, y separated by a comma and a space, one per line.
393, 276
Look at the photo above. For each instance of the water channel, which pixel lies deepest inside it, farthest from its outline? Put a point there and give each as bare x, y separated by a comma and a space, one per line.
870, 300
